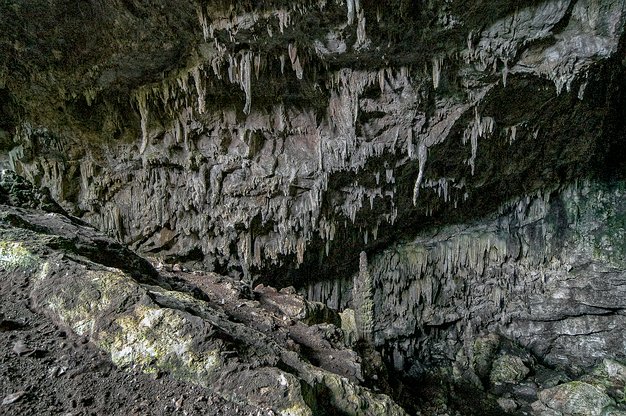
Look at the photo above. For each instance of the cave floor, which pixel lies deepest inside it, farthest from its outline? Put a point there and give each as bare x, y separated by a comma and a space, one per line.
45, 370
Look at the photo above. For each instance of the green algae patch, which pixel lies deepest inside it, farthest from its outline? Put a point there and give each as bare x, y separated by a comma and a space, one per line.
83, 301
160, 338
13, 255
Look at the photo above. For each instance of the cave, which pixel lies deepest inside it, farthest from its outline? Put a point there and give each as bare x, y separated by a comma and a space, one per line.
313, 207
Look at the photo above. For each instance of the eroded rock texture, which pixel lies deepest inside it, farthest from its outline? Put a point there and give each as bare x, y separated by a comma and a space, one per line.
545, 272
277, 132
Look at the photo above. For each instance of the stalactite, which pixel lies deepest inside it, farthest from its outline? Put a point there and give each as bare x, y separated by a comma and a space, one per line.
351, 10
478, 128
513, 134
422, 155
86, 173
505, 72
257, 66
361, 36
204, 23
295, 60
15, 155
581, 89
409, 144
284, 19
142, 102
199, 90
389, 176
437, 67
441, 187
320, 152
246, 70
231, 69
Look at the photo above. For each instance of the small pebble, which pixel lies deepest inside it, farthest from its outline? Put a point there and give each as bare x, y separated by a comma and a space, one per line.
21, 349
12, 398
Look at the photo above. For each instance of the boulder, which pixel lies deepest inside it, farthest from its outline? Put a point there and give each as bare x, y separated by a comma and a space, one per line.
508, 369
574, 399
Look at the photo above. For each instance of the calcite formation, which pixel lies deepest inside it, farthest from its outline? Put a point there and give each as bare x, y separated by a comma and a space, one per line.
316, 155
544, 271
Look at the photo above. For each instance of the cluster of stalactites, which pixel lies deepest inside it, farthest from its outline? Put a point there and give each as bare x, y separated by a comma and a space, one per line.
216, 62
240, 65
478, 128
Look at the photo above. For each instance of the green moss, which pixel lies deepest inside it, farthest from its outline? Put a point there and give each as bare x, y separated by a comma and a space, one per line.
13, 255
508, 369
156, 338
80, 306
484, 351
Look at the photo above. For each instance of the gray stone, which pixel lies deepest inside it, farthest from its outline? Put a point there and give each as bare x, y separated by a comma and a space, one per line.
613, 370
466, 280
469, 153
614, 412
158, 323
508, 405
484, 353
576, 399
508, 369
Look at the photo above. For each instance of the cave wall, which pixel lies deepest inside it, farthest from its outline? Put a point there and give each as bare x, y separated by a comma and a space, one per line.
265, 142
546, 271
277, 140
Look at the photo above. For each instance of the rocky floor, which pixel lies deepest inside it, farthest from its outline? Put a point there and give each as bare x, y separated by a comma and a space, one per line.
44, 370
69, 292
48, 370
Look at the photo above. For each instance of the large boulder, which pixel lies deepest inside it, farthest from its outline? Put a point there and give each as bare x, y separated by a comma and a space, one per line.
573, 399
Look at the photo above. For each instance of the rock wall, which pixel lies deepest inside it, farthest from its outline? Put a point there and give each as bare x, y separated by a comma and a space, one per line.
256, 354
307, 133
546, 272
